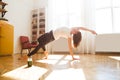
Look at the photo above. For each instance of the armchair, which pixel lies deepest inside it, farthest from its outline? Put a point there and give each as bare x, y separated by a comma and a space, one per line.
25, 44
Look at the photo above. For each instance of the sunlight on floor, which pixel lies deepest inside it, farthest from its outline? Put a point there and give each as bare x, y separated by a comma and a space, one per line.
67, 74
54, 59
24, 73
62, 72
115, 57
68, 57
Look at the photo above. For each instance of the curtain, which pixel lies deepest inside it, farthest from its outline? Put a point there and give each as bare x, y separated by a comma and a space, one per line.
70, 13
65, 13
87, 44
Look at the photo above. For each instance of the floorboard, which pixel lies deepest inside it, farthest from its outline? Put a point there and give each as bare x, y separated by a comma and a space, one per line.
61, 67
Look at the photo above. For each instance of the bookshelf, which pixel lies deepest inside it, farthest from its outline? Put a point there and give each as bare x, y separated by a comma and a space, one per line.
38, 23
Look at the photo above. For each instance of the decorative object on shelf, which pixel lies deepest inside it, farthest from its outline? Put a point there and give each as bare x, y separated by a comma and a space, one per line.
38, 23
2, 10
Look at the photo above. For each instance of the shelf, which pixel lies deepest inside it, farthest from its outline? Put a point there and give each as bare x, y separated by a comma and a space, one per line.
3, 3
3, 10
3, 19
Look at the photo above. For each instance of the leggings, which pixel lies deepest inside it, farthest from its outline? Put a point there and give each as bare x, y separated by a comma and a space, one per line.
43, 40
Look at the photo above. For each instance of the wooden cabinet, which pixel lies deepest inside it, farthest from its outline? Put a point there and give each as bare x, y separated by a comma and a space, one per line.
38, 23
6, 38
2, 10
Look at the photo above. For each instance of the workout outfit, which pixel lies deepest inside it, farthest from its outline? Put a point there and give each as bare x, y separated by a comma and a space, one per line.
49, 37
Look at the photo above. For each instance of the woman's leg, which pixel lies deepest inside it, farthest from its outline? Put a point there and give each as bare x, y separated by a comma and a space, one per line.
43, 40
35, 50
45, 52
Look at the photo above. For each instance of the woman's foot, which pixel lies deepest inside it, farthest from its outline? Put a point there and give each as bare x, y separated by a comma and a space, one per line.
45, 57
46, 54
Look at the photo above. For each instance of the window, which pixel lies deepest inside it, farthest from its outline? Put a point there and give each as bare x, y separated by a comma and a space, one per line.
108, 16
64, 13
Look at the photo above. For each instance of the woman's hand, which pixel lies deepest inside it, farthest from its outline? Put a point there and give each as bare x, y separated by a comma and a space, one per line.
93, 32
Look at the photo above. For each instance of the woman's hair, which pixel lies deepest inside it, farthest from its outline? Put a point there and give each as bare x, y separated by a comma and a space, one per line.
76, 39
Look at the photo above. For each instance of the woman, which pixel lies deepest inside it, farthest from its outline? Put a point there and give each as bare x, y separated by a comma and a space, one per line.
72, 34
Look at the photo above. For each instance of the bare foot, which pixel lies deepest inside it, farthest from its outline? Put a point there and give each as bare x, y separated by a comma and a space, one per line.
45, 58
46, 53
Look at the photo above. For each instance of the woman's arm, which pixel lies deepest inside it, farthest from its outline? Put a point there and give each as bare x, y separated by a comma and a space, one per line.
70, 47
85, 29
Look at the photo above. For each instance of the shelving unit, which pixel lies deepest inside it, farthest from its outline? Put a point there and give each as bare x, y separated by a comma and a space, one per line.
34, 25
38, 23
2, 10
42, 21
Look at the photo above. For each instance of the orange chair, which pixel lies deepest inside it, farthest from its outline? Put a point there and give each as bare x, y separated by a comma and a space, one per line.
25, 44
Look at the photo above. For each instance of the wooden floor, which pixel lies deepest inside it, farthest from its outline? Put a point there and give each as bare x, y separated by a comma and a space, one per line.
61, 67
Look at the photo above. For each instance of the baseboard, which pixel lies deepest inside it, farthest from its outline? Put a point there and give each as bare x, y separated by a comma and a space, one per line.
96, 53
60, 52
6, 55
108, 53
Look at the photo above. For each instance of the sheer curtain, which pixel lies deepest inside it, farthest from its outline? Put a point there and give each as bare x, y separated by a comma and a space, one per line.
70, 13
87, 44
65, 13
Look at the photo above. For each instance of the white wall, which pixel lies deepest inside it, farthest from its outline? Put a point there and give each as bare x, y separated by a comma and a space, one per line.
108, 43
40, 3
19, 15
60, 45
